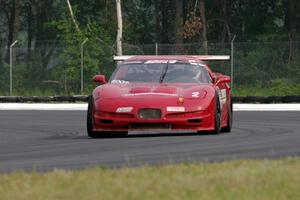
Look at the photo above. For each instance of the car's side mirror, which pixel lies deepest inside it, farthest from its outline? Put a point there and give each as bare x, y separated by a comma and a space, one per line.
222, 79
99, 79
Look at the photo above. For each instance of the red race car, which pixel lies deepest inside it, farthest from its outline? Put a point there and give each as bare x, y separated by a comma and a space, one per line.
160, 93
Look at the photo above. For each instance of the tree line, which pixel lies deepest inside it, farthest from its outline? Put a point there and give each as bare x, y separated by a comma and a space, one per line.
149, 21
50, 33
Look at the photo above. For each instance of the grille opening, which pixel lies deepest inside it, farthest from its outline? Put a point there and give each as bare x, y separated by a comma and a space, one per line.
106, 121
149, 113
194, 120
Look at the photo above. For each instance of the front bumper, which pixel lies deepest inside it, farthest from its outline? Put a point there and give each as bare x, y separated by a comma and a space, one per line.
198, 120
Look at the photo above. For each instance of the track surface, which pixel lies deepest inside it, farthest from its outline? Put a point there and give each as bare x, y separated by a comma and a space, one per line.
45, 140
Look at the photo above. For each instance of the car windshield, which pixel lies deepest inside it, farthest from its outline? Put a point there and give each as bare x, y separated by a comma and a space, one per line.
166, 72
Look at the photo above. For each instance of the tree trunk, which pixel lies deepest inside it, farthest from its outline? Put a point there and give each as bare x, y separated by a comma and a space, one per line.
29, 32
292, 27
204, 31
13, 24
157, 22
224, 11
165, 21
16, 21
120, 28
72, 16
179, 26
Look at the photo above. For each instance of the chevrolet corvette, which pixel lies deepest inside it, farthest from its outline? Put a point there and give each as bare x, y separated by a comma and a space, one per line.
177, 92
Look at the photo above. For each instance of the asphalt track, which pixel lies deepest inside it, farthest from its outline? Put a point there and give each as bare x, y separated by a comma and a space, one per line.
47, 140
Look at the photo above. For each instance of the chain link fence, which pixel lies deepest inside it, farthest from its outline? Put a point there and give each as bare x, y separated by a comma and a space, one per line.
266, 69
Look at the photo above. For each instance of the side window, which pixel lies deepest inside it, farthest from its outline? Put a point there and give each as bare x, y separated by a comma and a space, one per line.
205, 76
120, 72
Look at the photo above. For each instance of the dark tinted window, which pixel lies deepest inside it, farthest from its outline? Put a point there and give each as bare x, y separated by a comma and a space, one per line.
167, 72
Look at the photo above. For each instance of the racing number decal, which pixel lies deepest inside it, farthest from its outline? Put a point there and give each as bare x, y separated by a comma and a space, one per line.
195, 94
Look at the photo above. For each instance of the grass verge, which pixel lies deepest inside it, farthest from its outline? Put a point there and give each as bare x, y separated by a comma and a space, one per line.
241, 179
278, 88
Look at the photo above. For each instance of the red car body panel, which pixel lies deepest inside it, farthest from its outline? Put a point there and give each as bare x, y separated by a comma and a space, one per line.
183, 106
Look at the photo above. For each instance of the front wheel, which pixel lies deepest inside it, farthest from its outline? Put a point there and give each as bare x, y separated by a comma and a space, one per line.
228, 127
217, 117
99, 134
89, 119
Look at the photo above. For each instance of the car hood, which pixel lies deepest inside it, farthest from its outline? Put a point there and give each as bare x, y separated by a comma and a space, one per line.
151, 91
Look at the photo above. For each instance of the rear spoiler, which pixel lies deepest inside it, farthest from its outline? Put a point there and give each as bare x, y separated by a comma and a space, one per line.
200, 57
212, 57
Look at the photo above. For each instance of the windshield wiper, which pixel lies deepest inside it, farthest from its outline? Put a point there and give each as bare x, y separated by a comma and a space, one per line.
161, 79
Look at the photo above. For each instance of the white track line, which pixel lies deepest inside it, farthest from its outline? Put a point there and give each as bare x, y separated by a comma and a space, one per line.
43, 106
83, 106
266, 107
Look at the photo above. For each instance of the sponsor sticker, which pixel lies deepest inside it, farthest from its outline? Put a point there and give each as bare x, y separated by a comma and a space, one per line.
156, 61
175, 109
223, 96
120, 81
160, 61
124, 109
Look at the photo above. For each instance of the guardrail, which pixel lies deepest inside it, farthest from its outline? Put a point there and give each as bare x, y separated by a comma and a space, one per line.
84, 98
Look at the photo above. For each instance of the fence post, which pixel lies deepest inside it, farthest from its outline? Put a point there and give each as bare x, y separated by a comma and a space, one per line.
231, 74
11, 66
156, 48
81, 64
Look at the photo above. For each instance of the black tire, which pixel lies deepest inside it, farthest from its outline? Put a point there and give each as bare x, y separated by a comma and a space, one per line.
89, 120
228, 127
217, 117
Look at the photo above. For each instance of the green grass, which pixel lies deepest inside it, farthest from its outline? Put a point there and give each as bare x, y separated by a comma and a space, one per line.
265, 92
277, 88
242, 179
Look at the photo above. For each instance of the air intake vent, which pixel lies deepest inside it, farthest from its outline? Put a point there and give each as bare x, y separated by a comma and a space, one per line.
194, 120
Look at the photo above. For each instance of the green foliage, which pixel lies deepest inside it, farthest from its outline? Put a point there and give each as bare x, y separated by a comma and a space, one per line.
54, 68
266, 69
279, 87
4, 80
96, 51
